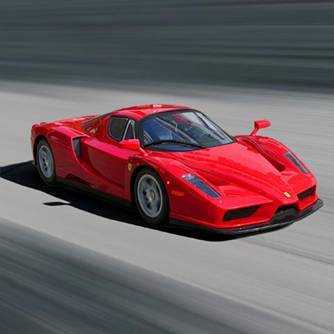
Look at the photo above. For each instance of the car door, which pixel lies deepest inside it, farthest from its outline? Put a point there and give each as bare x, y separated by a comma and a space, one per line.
106, 160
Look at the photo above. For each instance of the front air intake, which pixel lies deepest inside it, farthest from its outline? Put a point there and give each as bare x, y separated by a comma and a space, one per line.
306, 193
284, 213
240, 213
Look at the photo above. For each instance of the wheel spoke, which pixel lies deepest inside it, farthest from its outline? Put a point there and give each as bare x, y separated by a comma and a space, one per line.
149, 196
155, 206
155, 188
45, 161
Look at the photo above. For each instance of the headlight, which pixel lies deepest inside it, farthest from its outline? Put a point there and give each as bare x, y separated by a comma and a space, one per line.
197, 182
296, 162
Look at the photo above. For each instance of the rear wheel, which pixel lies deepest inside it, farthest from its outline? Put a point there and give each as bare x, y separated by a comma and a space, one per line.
151, 197
45, 162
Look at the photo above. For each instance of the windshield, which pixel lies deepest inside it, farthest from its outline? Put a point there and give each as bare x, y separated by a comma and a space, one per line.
181, 130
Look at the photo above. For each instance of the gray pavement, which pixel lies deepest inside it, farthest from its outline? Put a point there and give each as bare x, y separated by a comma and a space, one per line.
278, 282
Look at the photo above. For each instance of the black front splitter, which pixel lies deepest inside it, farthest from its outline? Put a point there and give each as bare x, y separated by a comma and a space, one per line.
275, 223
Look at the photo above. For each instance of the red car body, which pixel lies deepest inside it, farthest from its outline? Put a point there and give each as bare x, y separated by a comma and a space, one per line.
259, 185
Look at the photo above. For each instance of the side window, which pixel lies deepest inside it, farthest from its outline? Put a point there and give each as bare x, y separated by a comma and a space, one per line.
117, 127
130, 130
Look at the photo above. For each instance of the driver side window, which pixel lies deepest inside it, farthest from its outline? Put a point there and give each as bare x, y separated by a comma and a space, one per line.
117, 127
130, 130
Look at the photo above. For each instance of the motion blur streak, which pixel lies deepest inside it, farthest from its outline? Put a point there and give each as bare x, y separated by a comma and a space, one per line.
48, 286
241, 42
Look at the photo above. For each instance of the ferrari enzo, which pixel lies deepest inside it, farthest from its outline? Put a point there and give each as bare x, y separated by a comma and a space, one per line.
172, 163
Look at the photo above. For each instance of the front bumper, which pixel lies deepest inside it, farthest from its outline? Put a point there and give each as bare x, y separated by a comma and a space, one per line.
280, 219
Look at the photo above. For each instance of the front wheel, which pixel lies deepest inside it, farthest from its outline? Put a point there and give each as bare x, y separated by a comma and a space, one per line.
151, 197
45, 162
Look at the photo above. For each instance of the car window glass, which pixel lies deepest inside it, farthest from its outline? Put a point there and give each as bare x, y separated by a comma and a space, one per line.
117, 127
190, 127
130, 130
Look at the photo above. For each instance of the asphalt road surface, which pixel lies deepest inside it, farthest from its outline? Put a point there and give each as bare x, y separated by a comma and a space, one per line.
72, 264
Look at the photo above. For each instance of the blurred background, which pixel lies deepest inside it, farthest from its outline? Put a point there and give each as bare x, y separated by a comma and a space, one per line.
70, 263
275, 43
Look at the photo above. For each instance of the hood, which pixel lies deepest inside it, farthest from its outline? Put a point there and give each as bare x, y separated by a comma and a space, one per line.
238, 164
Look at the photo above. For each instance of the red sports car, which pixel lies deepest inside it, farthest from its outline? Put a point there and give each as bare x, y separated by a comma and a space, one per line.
174, 164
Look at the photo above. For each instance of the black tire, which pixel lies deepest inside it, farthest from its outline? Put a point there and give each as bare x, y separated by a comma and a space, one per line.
48, 177
163, 215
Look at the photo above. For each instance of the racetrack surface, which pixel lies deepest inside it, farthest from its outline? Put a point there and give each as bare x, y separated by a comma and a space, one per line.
70, 263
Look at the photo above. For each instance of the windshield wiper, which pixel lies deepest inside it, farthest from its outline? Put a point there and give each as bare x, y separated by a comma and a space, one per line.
173, 142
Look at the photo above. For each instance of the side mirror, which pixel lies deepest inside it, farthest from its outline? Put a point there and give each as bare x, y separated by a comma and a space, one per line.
130, 144
260, 124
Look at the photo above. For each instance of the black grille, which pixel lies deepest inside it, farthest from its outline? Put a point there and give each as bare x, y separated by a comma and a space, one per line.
240, 213
306, 193
284, 213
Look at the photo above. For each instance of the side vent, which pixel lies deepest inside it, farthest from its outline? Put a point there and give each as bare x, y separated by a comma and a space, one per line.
296, 162
267, 155
77, 145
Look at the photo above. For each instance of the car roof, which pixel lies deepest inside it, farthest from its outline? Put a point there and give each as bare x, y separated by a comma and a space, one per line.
138, 112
